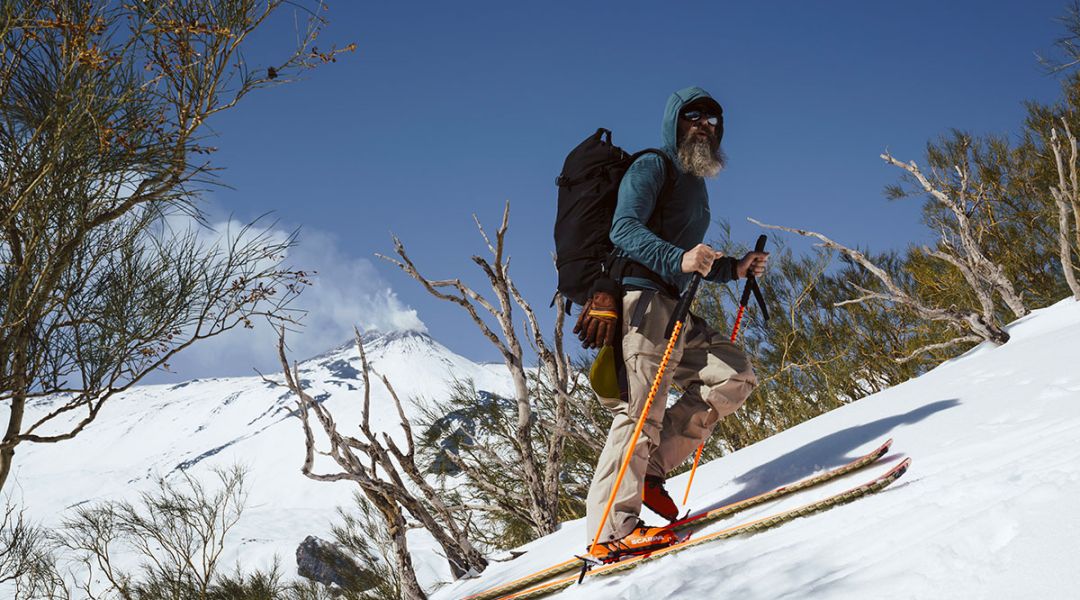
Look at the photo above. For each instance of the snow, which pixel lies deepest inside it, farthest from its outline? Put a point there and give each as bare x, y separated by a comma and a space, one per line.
200, 425
989, 509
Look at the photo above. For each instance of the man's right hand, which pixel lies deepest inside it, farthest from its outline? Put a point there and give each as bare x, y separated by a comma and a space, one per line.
596, 325
699, 259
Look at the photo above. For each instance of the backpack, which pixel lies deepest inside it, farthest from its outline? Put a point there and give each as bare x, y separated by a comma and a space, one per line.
588, 192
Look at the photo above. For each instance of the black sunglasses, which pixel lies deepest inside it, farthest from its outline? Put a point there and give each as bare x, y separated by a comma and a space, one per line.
694, 115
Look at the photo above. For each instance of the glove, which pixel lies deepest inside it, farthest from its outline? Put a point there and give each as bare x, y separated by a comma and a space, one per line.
596, 325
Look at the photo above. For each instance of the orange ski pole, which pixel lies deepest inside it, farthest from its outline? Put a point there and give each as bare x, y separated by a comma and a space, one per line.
681, 312
751, 283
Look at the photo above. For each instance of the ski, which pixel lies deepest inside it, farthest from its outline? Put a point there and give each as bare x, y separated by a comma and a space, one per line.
706, 517
699, 519
877, 484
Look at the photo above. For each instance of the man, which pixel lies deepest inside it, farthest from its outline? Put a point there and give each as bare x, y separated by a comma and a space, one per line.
658, 228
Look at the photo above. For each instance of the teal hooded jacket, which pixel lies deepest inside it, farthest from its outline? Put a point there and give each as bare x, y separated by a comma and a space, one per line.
658, 234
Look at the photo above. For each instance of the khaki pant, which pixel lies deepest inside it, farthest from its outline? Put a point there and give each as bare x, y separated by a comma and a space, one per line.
716, 378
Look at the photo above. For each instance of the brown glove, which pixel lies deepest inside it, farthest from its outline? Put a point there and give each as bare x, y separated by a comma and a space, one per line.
596, 325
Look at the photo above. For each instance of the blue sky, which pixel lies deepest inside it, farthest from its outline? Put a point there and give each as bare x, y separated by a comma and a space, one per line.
451, 109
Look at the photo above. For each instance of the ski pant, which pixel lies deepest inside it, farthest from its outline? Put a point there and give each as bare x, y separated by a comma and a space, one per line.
716, 378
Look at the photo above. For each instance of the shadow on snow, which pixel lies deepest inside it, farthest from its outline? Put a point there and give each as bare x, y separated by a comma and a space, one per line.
831, 451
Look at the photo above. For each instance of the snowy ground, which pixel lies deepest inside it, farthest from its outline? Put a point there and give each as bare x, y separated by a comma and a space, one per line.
989, 509
196, 426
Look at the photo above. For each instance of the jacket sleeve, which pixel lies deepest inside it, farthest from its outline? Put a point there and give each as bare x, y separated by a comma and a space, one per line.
638, 192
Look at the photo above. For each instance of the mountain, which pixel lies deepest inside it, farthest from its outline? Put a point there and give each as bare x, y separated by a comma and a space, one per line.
990, 507
196, 426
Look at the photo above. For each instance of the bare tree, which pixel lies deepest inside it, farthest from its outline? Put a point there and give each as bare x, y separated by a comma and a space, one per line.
959, 245
465, 431
103, 112
956, 198
386, 474
1067, 197
537, 448
979, 326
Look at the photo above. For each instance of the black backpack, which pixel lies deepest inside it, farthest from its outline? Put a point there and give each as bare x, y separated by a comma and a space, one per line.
588, 191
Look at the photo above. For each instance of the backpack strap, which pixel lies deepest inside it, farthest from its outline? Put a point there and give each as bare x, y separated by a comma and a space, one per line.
621, 266
670, 173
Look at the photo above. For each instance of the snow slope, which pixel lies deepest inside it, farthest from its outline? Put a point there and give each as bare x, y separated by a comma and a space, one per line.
989, 509
159, 430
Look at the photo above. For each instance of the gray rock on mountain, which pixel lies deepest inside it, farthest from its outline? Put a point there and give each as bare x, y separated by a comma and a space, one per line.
326, 563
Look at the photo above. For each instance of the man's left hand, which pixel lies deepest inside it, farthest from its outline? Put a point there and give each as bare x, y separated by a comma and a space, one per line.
753, 264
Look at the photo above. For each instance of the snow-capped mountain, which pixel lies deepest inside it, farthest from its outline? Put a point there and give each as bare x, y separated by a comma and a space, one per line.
195, 426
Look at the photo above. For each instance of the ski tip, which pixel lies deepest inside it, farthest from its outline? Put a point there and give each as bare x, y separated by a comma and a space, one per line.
881, 450
899, 469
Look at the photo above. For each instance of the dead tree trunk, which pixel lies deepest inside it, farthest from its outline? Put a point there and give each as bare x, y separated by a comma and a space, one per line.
1067, 197
537, 465
376, 465
960, 246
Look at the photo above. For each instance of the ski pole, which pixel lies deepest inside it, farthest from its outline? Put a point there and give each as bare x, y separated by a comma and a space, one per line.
751, 286
751, 283
679, 317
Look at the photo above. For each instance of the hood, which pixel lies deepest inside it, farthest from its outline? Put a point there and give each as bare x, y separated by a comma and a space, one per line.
675, 104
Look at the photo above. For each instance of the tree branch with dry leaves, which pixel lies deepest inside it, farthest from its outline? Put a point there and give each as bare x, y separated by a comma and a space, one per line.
103, 117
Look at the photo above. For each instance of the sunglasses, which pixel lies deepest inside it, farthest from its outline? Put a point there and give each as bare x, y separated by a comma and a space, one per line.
694, 115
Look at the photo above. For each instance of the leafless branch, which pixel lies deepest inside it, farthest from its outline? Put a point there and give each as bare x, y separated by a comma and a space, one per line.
989, 276
967, 339
376, 465
966, 320
535, 442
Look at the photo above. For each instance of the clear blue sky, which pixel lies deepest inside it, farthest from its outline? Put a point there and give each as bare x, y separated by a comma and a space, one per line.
450, 109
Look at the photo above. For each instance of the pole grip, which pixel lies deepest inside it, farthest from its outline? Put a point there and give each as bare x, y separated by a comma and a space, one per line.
759, 247
683, 307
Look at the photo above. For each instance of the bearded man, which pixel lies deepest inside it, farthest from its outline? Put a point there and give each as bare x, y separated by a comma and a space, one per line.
658, 229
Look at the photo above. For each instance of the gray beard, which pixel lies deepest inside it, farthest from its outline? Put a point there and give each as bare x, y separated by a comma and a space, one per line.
698, 158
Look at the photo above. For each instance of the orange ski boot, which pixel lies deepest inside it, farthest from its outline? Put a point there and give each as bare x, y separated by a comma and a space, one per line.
642, 540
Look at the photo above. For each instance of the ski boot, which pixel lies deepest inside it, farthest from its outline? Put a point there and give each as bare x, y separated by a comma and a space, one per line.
642, 540
657, 499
